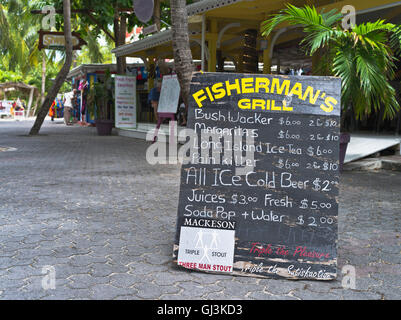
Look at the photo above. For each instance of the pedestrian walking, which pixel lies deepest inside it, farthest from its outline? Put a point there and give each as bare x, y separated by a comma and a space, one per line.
154, 96
52, 110
68, 108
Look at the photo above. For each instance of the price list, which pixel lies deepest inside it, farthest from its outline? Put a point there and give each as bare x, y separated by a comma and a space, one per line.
259, 190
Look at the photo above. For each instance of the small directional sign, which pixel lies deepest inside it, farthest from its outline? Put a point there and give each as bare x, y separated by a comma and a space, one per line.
150, 29
56, 41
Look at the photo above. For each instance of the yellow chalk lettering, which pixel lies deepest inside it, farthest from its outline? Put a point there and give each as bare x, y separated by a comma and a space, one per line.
273, 106
244, 104
234, 86
309, 92
218, 90
328, 104
262, 83
297, 90
199, 97
276, 88
285, 108
209, 94
247, 85
258, 103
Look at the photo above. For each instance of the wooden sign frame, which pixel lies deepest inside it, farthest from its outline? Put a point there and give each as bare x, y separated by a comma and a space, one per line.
280, 218
75, 35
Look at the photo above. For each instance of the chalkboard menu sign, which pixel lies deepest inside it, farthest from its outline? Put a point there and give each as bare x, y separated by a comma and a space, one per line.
259, 191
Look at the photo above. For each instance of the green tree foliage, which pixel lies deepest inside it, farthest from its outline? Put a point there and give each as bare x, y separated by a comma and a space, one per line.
18, 36
20, 59
362, 56
104, 14
19, 55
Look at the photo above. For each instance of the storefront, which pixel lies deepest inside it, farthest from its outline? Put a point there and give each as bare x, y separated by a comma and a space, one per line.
11, 92
225, 36
83, 78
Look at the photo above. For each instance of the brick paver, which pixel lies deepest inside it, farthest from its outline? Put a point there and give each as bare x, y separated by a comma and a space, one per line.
95, 210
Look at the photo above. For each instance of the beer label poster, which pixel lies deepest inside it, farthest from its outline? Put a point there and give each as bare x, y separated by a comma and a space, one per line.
259, 194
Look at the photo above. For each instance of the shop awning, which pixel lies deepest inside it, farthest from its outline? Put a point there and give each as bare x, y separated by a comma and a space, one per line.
144, 44
232, 17
84, 69
165, 37
17, 86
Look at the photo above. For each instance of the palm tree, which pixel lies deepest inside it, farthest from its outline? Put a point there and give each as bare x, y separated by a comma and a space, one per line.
363, 56
182, 51
61, 76
18, 41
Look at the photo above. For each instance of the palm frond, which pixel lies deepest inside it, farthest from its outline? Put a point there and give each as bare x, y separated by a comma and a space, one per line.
363, 57
318, 27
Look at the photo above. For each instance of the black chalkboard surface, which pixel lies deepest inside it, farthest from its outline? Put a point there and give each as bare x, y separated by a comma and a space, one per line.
259, 192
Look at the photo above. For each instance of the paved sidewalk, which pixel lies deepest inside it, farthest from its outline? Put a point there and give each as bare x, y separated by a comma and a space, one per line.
92, 208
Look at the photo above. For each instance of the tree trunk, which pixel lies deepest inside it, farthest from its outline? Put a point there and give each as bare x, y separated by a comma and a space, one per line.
120, 29
62, 75
182, 51
43, 91
156, 14
122, 35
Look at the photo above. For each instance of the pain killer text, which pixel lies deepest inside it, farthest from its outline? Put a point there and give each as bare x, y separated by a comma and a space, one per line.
263, 85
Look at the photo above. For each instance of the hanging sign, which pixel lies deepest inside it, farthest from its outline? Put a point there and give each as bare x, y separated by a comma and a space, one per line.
150, 29
143, 9
259, 192
56, 41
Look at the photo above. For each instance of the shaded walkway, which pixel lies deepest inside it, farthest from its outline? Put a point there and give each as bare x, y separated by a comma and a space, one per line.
93, 208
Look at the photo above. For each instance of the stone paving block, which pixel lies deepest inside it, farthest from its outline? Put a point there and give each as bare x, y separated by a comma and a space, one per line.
350, 294
170, 278
10, 284
279, 288
68, 294
63, 271
108, 292
105, 219
105, 269
195, 290
234, 288
127, 280
85, 260
22, 272
121, 259
367, 283
145, 268
224, 296
177, 297
260, 295
83, 281
310, 295
153, 291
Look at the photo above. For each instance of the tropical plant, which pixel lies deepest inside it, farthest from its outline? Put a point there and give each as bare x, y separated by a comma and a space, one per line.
100, 100
18, 41
19, 53
363, 56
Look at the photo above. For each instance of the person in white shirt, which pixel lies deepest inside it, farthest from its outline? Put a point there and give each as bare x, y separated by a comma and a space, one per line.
68, 97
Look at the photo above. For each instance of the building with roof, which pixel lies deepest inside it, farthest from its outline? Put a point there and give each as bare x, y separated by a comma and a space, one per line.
28, 90
225, 35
